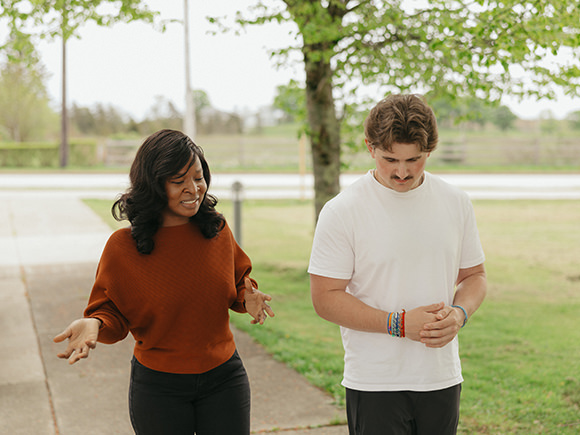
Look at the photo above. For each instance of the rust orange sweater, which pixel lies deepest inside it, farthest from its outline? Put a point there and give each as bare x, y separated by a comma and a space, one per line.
174, 301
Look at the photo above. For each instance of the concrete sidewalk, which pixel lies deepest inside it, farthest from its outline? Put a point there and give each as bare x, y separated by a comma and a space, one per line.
49, 248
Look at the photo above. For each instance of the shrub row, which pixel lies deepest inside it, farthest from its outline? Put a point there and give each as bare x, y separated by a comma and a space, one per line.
47, 155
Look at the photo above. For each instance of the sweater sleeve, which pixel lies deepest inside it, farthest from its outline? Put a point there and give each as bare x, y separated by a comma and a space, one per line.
243, 267
115, 326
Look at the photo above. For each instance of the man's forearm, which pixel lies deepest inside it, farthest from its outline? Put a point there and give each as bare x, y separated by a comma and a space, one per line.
471, 292
344, 309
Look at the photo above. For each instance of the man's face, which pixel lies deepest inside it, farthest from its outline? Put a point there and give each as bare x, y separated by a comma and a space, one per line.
400, 169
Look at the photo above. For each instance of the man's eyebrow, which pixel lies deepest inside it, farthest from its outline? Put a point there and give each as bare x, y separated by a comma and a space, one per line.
396, 160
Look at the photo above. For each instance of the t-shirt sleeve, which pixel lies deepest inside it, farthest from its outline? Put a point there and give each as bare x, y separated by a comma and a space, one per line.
471, 250
332, 253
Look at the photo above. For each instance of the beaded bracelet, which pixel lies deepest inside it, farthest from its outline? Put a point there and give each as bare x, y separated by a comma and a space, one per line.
396, 324
464, 312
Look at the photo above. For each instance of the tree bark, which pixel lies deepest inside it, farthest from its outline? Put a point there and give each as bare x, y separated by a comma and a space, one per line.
324, 130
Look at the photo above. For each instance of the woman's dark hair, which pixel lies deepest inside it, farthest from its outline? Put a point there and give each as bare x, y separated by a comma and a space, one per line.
161, 156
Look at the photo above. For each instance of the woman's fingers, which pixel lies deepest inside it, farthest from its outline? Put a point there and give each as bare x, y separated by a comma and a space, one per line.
62, 336
269, 310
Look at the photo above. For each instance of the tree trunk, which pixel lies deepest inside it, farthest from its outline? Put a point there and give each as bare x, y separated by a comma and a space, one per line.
324, 131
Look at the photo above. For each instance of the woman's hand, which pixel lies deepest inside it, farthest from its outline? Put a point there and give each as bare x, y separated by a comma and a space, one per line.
82, 336
255, 302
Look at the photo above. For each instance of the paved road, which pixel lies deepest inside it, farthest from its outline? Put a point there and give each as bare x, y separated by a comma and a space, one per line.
272, 186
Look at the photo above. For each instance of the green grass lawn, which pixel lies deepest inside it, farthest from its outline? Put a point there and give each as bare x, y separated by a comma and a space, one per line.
520, 351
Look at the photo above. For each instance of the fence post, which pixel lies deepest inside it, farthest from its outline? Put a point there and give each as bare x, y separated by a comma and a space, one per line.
237, 189
302, 162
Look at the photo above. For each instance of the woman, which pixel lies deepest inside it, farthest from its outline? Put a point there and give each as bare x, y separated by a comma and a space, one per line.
170, 280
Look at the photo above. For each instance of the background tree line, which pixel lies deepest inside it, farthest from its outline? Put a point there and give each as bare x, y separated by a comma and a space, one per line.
107, 120
27, 114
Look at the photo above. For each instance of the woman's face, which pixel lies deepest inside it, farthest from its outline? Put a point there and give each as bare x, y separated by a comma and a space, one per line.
185, 192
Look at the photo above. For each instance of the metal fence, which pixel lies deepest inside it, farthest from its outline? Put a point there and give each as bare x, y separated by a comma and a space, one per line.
539, 151
231, 153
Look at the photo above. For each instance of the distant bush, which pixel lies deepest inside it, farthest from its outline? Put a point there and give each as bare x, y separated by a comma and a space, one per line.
574, 120
46, 154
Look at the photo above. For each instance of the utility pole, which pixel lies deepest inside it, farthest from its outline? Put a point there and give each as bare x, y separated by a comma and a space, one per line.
189, 117
63, 115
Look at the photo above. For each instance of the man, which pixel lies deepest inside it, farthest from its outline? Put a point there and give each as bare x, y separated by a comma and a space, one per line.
397, 263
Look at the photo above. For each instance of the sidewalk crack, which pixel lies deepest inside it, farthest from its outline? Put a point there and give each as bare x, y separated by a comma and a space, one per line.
39, 348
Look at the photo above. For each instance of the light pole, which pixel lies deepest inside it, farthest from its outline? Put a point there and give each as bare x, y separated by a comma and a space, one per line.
64, 146
237, 192
189, 117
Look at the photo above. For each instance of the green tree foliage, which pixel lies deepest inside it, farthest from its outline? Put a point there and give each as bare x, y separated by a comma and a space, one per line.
456, 110
290, 99
163, 114
548, 124
82, 120
574, 120
461, 48
201, 100
29, 19
503, 118
25, 113
107, 120
478, 112
209, 120
100, 120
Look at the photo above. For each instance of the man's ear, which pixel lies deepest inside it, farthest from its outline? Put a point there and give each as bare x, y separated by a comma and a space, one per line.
370, 148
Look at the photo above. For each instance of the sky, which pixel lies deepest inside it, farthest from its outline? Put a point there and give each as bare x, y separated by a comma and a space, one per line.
129, 65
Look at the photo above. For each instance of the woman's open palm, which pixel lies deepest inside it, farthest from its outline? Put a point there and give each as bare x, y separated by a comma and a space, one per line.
82, 336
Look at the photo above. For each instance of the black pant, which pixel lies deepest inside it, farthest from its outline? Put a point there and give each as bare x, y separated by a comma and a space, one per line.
403, 412
216, 402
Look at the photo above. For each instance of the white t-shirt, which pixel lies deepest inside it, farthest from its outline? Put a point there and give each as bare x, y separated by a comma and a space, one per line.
399, 251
